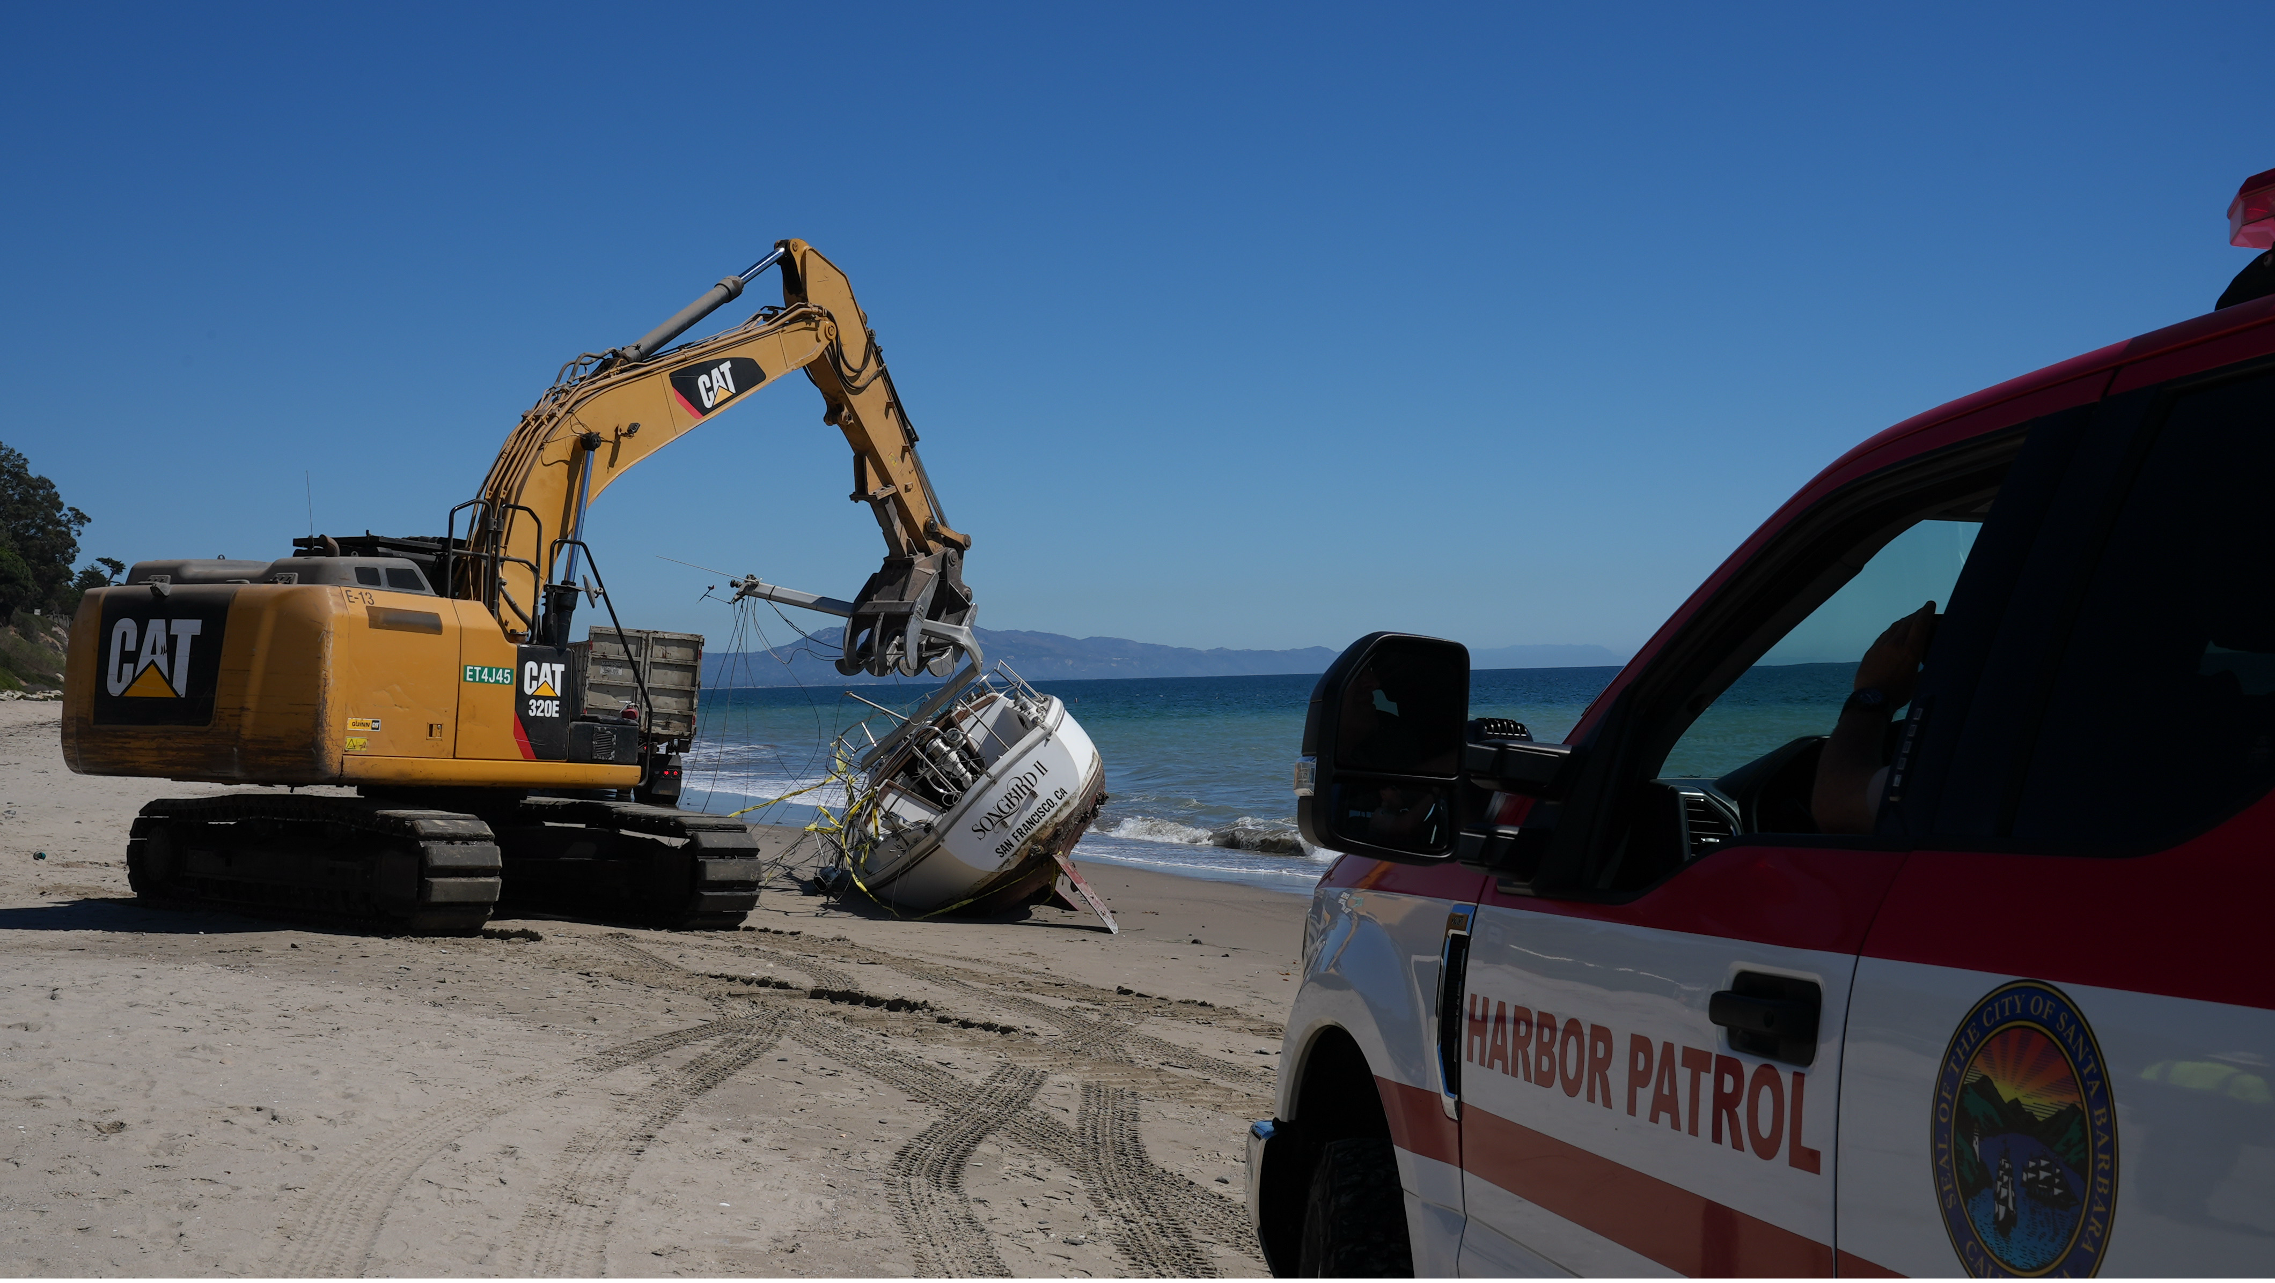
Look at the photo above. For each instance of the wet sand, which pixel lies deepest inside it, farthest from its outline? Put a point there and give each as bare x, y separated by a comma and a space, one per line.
186, 1092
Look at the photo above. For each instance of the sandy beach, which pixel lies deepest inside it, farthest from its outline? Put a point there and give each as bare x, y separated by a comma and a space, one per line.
819, 1093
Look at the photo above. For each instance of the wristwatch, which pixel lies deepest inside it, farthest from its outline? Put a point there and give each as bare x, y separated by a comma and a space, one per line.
1871, 698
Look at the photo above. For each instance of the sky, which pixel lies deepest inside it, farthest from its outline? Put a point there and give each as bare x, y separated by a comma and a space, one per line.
1226, 325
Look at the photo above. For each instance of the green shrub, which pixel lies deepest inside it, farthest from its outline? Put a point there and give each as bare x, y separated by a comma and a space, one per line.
30, 653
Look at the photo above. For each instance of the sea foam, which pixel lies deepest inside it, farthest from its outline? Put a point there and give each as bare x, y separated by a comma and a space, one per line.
1145, 828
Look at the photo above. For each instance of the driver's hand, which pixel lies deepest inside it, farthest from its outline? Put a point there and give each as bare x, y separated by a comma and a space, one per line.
1893, 662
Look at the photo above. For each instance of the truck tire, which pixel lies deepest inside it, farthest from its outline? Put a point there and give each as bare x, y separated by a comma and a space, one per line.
1354, 1224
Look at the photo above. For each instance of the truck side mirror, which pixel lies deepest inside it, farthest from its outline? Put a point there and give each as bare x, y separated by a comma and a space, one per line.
1382, 748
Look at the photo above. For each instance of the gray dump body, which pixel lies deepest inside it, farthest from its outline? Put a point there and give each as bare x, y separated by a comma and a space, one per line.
669, 663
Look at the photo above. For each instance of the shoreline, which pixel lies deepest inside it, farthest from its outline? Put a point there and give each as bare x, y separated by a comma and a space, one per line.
1254, 868
1293, 882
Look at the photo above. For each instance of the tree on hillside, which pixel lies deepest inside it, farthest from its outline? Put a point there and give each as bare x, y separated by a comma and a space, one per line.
102, 574
38, 528
18, 589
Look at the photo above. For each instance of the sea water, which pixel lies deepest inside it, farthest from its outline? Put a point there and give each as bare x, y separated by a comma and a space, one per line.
1199, 770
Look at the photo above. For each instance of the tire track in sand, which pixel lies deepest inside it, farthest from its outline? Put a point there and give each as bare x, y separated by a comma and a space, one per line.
1004, 985
928, 1197
340, 1216
1125, 1186
1164, 1195
1114, 1030
564, 1228
1161, 1218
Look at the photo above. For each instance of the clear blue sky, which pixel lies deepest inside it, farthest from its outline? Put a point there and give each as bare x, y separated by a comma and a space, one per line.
1223, 324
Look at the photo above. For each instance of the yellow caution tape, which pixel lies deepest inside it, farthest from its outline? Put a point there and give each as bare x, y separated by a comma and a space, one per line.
841, 771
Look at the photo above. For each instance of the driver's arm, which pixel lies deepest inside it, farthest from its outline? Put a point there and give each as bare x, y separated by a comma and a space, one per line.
1850, 776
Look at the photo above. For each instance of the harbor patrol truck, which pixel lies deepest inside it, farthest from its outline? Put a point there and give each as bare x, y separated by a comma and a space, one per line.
1950, 961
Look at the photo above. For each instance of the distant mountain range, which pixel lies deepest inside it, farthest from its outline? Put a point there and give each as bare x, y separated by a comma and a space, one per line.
1051, 657
1547, 657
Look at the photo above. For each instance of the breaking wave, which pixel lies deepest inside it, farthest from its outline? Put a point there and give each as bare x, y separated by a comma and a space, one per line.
1265, 837
752, 773
1143, 828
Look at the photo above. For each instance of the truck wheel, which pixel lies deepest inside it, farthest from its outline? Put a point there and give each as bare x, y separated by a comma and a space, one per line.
1354, 1224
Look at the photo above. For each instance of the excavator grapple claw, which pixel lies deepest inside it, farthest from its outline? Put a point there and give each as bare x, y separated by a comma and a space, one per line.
913, 616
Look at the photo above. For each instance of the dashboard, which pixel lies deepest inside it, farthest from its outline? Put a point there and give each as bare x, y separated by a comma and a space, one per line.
1770, 794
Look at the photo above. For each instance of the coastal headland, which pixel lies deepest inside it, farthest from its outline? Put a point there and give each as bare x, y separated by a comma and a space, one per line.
823, 1092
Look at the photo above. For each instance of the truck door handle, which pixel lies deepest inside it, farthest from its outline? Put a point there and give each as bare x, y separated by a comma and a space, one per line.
1453, 982
1770, 1016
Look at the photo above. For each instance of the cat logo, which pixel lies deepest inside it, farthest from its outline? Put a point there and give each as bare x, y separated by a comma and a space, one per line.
702, 389
151, 672
543, 679
160, 660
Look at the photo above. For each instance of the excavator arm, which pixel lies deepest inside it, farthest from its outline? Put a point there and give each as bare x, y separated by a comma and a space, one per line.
609, 410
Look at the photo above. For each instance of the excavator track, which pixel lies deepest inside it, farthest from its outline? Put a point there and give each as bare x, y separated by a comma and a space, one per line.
679, 869
415, 871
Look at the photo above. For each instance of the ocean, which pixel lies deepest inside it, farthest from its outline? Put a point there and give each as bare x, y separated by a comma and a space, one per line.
1198, 769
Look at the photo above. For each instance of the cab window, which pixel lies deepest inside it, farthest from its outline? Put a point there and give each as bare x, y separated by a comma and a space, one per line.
2160, 715
1797, 688
1746, 726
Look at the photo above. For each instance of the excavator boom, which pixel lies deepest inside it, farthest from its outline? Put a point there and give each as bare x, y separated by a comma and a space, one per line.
612, 409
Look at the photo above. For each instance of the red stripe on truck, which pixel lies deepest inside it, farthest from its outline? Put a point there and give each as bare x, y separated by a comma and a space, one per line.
2189, 921
1792, 897
1418, 1122
1667, 1223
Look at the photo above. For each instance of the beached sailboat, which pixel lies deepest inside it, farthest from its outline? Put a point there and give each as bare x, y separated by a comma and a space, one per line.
973, 802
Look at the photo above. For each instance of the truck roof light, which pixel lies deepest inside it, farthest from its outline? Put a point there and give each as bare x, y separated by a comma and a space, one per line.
2251, 215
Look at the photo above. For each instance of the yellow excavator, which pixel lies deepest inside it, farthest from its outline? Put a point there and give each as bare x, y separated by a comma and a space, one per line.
436, 676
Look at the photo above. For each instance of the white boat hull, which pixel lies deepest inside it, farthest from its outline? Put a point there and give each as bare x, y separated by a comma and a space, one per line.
1004, 840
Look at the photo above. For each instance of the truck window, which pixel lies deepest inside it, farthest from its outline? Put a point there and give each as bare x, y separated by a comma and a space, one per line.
2160, 718
1796, 689
1746, 754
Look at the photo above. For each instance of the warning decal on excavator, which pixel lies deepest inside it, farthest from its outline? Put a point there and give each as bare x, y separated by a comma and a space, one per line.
702, 389
160, 657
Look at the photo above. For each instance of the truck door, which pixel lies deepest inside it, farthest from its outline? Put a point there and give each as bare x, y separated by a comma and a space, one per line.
1652, 1062
2061, 1031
